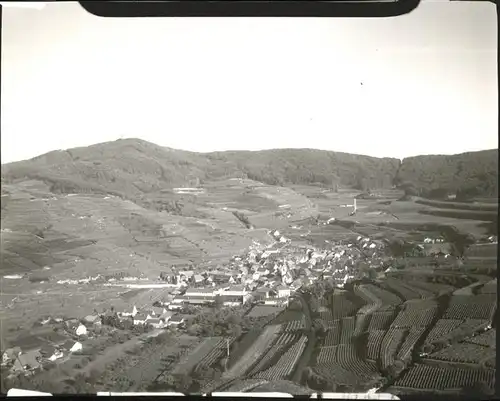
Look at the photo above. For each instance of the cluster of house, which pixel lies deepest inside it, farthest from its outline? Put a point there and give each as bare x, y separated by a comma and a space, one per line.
429, 240
34, 351
235, 295
158, 317
269, 274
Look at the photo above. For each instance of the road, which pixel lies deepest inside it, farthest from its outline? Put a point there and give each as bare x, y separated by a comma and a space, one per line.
311, 340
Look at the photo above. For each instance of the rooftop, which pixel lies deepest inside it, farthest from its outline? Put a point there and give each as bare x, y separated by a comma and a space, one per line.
68, 344
236, 288
199, 290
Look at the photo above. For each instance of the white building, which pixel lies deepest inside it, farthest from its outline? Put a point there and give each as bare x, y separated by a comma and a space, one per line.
157, 311
157, 323
133, 313
72, 346
283, 292
81, 330
236, 290
199, 292
141, 318
56, 355
176, 321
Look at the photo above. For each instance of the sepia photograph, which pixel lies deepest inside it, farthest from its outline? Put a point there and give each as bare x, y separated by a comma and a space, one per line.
250, 205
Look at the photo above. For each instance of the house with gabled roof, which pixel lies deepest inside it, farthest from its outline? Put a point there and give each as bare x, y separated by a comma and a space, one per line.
50, 352
81, 330
141, 318
133, 313
176, 320
72, 346
156, 322
157, 311
237, 290
283, 291
27, 361
197, 292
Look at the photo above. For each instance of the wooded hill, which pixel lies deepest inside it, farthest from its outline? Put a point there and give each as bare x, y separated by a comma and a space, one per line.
468, 175
130, 167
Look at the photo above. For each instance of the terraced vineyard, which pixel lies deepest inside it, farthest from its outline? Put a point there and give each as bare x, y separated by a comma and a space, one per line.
347, 332
381, 320
281, 344
463, 352
374, 342
341, 306
326, 355
256, 350
217, 352
442, 328
326, 315
199, 354
342, 365
480, 306
418, 314
390, 346
285, 365
409, 343
425, 377
295, 325
333, 334
335, 374
348, 358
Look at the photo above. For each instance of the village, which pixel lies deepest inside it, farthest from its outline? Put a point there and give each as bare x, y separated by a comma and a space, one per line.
265, 276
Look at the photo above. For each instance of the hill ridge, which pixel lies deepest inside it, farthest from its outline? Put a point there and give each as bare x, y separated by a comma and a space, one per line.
133, 166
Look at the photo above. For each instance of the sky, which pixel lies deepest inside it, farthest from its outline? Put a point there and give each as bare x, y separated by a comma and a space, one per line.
422, 83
